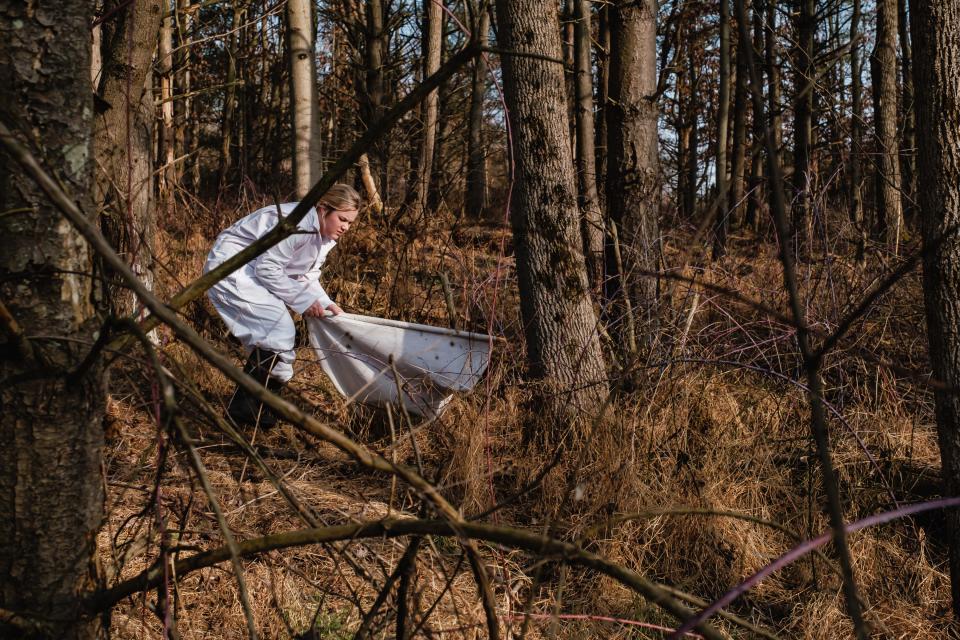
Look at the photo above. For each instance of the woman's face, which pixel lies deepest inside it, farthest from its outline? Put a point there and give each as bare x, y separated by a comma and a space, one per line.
335, 222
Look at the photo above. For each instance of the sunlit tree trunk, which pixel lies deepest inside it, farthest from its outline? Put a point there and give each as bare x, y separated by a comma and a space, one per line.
303, 96
757, 194
51, 432
738, 150
883, 65
592, 219
803, 113
167, 174
935, 26
633, 188
856, 135
123, 139
476, 188
721, 222
432, 32
563, 349
908, 153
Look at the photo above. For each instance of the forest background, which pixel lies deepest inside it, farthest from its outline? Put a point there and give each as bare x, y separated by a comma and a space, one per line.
718, 238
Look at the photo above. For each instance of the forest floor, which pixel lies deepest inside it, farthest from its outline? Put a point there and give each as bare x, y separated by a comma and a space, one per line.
701, 471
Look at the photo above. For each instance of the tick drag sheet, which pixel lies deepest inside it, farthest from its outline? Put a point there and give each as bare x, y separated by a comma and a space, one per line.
380, 362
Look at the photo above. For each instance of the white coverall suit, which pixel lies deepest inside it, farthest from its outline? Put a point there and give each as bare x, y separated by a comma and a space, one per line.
253, 300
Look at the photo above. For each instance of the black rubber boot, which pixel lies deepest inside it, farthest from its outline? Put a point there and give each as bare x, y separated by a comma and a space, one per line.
244, 408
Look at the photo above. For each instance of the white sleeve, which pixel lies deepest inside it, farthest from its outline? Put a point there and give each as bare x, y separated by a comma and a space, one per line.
297, 293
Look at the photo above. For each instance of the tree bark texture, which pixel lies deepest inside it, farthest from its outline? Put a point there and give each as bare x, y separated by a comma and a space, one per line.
563, 348
908, 158
633, 179
476, 187
123, 138
432, 32
303, 96
167, 144
373, 91
591, 222
603, 93
738, 148
757, 195
856, 135
721, 222
935, 26
885, 90
803, 112
51, 436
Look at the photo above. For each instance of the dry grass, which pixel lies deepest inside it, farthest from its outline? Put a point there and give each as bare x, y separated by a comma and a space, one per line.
711, 428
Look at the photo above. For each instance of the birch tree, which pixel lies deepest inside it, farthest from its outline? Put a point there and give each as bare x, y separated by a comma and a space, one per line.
303, 96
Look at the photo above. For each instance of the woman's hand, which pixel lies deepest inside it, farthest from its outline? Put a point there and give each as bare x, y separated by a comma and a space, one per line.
316, 310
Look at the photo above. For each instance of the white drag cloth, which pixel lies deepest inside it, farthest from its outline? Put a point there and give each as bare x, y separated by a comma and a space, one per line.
379, 362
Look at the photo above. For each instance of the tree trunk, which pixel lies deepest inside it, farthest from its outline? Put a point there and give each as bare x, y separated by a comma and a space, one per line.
563, 350
756, 203
633, 189
883, 64
373, 91
603, 94
803, 113
935, 26
691, 166
773, 79
303, 96
908, 157
591, 222
432, 32
476, 187
721, 222
51, 436
738, 151
123, 139
856, 136
167, 154
228, 124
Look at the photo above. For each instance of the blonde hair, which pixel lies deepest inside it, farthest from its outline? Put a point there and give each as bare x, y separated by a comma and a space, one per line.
341, 197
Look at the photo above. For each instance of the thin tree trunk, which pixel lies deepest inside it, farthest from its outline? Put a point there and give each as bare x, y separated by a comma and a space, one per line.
123, 140
303, 96
738, 152
168, 172
603, 93
887, 175
856, 136
803, 114
51, 432
563, 350
432, 31
476, 187
757, 195
592, 219
721, 222
935, 26
229, 101
633, 189
908, 153
773, 79
373, 95
691, 166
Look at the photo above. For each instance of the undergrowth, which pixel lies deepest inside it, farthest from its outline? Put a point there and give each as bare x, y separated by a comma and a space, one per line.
701, 471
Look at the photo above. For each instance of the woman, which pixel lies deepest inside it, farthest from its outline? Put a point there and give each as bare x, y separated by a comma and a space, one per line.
253, 300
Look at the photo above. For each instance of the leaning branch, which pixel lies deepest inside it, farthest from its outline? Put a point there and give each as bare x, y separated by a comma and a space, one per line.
393, 528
